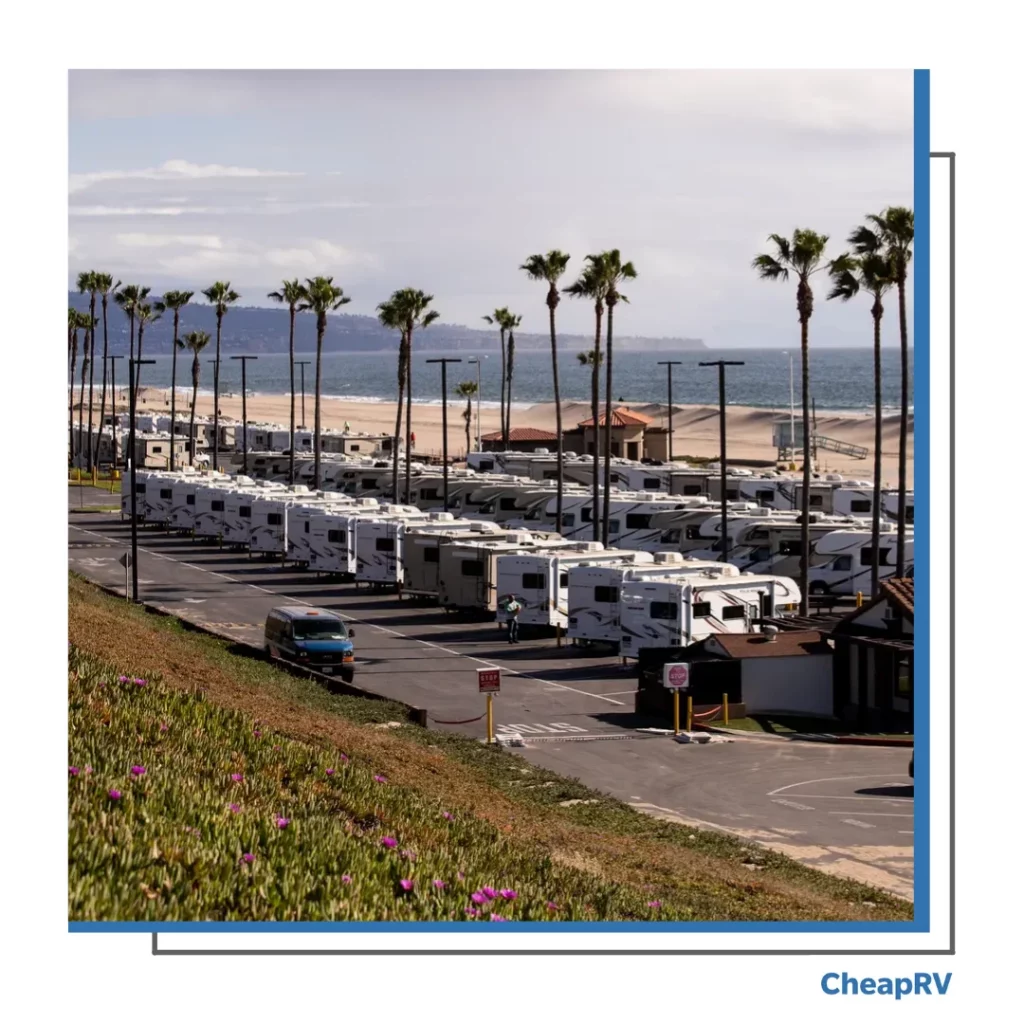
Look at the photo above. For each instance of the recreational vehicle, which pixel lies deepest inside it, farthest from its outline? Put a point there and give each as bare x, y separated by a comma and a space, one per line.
678, 611
773, 546
268, 527
632, 521
183, 497
844, 559
210, 505
380, 541
332, 539
298, 522
238, 503
423, 542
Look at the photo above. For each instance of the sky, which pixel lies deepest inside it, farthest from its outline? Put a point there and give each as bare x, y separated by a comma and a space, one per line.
448, 180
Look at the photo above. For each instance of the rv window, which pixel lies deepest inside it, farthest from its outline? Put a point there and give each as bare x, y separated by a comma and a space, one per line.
472, 568
860, 505
664, 610
613, 477
140, 488
670, 537
817, 500
216, 506
305, 525
757, 534
843, 563
486, 465
691, 488
335, 536
190, 499
733, 611
767, 497
563, 580
385, 543
369, 483
550, 474
652, 483
613, 526
534, 581
275, 519
165, 492
507, 504
638, 521
306, 442
429, 493
568, 518
693, 533
904, 679
766, 604
431, 555
157, 448
606, 595
245, 512
701, 609
585, 514
883, 556
908, 513
353, 448
732, 493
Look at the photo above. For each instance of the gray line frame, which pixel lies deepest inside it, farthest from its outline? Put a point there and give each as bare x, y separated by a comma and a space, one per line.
157, 951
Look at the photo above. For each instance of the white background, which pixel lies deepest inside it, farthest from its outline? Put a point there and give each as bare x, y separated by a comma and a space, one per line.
974, 112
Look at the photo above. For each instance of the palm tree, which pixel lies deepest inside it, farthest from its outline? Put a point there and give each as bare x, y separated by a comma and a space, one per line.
87, 283
591, 284
894, 228
129, 298
803, 255
194, 342
550, 268
321, 296
86, 324
74, 324
175, 301
221, 296
871, 272
413, 312
104, 285
514, 320
292, 293
467, 389
145, 314
500, 319
390, 316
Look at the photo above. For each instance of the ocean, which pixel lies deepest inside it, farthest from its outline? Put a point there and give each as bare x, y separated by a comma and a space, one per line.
841, 379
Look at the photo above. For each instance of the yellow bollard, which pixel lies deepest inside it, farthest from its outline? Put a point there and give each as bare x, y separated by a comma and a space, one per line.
675, 711
860, 598
689, 713
490, 718
725, 707
94, 476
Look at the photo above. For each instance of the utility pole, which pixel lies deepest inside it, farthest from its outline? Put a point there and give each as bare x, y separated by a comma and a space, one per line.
722, 364
477, 361
113, 415
444, 419
132, 376
245, 421
670, 363
302, 373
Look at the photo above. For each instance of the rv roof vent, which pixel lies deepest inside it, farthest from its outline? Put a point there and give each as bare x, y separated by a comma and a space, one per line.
770, 633
568, 455
833, 476
541, 451
668, 558
442, 517
589, 545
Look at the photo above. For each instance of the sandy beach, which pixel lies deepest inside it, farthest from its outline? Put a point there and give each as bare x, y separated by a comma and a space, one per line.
695, 427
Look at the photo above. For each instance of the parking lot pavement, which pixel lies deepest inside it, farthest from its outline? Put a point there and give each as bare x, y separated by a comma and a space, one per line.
841, 808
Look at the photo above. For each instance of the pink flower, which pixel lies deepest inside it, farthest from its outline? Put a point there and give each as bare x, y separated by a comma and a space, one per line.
489, 892
389, 842
509, 894
164, 727
72, 770
248, 857
234, 808
88, 769
237, 777
380, 778
330, 771
448, 816
114, 794
552, 906
257, 733
139, 682
408, 855
479, 897
461, 877
282, 822
498, 917
343, 758
137, 770
655, 904
122, 679
347, 879
407, 884
438, 884
472, 911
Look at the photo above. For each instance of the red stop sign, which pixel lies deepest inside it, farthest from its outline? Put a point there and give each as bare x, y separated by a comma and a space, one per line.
677, 677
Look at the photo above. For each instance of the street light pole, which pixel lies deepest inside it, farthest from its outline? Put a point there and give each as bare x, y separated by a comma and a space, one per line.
302, 373
722, 364
444, 419
132, 376
113, 419
670, 363
477, 361
245, 421
792, 415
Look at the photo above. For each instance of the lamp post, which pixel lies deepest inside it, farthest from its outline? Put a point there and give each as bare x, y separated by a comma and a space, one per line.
722, 364
113, 415
132, 372
792, 415
444, 419
477, 361
245, 421
302, 373
670, 363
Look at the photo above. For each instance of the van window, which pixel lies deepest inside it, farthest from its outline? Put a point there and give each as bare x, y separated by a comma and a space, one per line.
789, 547
860, 505
733, 611
568, 518
606, 595
664, 610
275, 519
245, 512
844, 563
472, 568
534, 581
385, 544
701, 609
216, 506
165, 492
335, 536
670, 537
638, 521
431, 555
319, 628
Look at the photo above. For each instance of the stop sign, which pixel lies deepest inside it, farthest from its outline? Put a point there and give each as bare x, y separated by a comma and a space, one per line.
676, 676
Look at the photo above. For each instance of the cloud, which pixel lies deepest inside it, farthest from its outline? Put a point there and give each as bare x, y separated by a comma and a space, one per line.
315, 253
174, 170
141, 240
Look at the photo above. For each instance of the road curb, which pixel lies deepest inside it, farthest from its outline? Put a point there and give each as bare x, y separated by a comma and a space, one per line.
815, 737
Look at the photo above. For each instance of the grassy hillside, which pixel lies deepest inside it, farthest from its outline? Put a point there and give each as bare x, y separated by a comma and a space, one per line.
173, 844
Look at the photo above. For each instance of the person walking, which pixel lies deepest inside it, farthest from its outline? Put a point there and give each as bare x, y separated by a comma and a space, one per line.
512, 609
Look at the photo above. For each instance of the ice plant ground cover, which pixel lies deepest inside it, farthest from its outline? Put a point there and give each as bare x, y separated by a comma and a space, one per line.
187, 840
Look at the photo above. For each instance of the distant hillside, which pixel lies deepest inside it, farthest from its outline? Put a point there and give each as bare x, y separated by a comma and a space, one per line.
256, 329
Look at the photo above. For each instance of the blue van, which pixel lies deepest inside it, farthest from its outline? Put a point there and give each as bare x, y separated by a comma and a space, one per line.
312, 637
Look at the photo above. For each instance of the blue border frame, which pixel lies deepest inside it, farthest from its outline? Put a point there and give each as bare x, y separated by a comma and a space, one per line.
922, 701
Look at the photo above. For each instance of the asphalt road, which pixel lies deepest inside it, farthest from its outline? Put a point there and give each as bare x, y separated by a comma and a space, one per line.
841, 808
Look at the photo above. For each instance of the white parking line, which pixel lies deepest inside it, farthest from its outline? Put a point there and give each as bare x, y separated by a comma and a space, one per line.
837, 778
859, 824
876, 814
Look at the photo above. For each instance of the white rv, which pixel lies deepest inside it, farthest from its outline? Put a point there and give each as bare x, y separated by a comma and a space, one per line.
678, 611
141, 475
210, 505
772, 546
298, 523
268, 528
332, 540
843, 559
631, 518
380, 542
238, 503
422, 555
595, 591
159, 500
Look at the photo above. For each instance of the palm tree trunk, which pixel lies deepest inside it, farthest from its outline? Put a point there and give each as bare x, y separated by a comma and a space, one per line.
138, 369
93, 443
216, 399
291, 374
174, 382
595, 387
607, 429
508, 385
876, 497
83, 446
131, 369
805, 497
901, 510
103, 391
504, 428
321, 326
468, 417
71, 401
402, 373
192, 415
408, 417
558, 414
